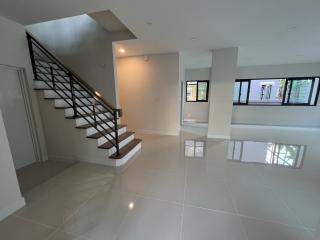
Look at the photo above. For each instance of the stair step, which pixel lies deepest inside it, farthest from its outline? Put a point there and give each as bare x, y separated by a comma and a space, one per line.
88, 125
104, 132
47, 85
56, 72
62, 103
126, 149
100, 117
87, 114
122, 137
84, 110
52, 94
46, 63
47, 77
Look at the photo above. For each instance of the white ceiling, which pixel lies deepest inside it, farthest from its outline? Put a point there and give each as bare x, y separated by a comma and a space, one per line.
109, 21
266, 31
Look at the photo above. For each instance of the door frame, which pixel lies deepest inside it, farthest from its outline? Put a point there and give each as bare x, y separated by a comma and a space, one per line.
24, 87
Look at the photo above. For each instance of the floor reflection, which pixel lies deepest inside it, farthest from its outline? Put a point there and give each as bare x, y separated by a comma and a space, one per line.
267, 153
194, 148
37, 173
256, 188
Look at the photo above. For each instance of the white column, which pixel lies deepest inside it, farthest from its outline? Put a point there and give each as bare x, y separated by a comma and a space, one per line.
223, 74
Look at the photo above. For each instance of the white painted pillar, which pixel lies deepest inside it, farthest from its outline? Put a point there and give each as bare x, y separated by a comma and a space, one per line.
223, 74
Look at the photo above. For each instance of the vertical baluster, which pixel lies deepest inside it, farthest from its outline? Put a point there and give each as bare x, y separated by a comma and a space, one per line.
115, 118
33, 63
52, 77
73, 96
94, 112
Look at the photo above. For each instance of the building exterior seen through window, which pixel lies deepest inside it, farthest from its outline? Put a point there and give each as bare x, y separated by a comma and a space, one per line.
282, 91
197, 91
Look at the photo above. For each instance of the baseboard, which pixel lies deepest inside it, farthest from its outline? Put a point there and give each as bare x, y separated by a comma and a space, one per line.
5, 212
218, 136
143, 131
278, 127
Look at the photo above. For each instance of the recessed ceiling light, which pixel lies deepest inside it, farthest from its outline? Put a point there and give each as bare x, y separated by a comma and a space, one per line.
131, 205
122, 50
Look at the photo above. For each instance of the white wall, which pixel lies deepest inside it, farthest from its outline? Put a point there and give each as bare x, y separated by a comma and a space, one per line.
10, 196
150, 92
85, 47
278, 115
14, 52
196, 111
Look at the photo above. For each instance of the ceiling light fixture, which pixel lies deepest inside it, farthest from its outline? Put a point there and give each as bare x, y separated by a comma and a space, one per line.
131, 205
122, 50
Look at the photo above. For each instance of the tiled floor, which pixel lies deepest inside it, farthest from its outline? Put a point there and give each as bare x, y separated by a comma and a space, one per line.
37, 173
184, 188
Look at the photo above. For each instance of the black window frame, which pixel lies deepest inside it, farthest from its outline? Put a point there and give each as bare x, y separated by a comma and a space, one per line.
197, 83
283, 102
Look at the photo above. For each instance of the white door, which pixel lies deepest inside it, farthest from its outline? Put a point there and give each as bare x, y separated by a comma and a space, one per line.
15, 118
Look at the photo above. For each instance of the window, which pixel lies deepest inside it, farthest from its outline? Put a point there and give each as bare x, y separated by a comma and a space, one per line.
277, 91
241, 91
197, 91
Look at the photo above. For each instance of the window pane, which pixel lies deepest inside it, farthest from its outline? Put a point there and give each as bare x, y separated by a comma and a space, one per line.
191, 91
244, 92
300, 91
236, 92
266, 91
202, 91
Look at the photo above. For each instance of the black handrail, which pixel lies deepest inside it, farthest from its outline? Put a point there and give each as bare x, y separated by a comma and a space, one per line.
80, 80
70, 76
81, 107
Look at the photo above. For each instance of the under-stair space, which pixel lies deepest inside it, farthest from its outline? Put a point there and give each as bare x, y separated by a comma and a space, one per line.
83, 105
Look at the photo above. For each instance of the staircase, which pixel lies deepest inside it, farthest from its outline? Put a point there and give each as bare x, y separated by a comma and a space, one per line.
82, 104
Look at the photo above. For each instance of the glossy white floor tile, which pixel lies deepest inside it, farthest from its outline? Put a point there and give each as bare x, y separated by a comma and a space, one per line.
202, 224
14, 228
257, 229
206, 191
101, 217
152, 219
262, 203
262, 185
59, 235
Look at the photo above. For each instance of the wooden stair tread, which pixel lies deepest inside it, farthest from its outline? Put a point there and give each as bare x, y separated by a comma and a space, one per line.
122, 137
104, 132
126, 149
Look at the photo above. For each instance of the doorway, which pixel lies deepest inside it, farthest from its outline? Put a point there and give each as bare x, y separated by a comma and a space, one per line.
16, 117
